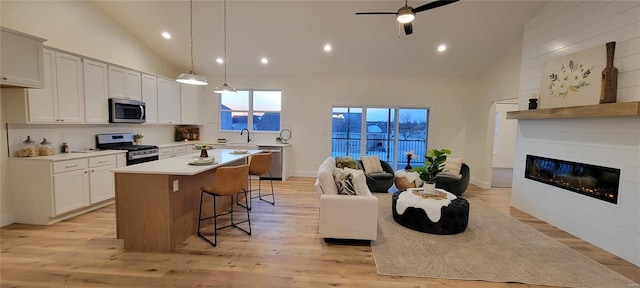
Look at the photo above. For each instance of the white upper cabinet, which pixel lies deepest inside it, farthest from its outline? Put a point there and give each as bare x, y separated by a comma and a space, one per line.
70, 88
96, 91
62, 98
124, 83
150, 97
43, 103
189, 100
22, 60
207, 102
168, 101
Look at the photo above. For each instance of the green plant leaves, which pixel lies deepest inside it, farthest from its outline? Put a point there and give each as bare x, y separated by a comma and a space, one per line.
433, 164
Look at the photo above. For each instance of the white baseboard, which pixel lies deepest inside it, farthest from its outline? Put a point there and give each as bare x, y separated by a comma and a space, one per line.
502, 165
311, 174
481, 184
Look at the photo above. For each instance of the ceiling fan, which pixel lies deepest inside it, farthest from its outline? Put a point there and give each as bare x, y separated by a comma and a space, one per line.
406, 13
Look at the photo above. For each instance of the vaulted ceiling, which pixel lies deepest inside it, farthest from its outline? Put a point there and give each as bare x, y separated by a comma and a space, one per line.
291, 34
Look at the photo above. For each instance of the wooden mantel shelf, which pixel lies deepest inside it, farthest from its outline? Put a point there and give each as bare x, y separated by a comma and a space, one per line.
623, 109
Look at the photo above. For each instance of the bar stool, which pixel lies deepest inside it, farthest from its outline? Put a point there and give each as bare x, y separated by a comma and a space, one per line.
228, 181
260, 164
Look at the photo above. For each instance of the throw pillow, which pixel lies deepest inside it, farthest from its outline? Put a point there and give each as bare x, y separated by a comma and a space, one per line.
452, 166
344, 181
325, 177
346, 161
371, 164
359, 182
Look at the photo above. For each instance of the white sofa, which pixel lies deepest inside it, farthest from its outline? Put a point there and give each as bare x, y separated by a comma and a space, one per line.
344, 216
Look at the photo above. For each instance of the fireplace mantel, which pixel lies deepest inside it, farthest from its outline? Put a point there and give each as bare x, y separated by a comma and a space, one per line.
622, 109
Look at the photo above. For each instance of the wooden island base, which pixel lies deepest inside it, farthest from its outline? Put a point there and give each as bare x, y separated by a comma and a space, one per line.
150, 216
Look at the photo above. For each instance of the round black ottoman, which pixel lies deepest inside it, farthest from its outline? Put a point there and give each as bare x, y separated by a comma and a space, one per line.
454, 218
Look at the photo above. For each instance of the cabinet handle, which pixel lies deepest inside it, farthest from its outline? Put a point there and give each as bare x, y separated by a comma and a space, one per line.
93, 170
102, 161
85, 172
70, 166
4, 78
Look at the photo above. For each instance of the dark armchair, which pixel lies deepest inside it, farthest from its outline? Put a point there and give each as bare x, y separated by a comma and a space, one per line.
454, 184
379, 181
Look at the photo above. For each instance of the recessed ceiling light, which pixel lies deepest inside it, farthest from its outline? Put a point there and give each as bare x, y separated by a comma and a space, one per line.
327, 47
219, 60
166, 35
442, 48
264, 60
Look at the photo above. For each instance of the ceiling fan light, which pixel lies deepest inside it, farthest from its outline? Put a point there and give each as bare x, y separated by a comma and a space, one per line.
405, 15
192, 79
224, 89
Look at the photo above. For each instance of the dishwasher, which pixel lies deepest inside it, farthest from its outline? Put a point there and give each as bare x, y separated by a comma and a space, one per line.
276, 162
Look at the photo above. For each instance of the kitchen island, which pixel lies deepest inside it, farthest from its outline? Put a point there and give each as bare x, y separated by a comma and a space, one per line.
157, 202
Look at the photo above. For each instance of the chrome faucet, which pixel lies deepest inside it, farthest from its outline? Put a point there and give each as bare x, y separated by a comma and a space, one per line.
248, 139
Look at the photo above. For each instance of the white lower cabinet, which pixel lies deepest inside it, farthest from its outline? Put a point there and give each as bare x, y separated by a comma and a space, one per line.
102, 185
46, 192
70, 191
174, 151
121, 160
179, 150
165, 152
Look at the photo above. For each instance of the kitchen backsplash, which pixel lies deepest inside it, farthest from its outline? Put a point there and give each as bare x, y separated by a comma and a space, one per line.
82, 137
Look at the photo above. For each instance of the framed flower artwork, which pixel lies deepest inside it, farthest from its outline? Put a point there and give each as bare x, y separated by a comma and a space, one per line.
573, 80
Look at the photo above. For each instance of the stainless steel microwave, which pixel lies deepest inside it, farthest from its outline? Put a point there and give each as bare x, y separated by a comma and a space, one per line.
126, 111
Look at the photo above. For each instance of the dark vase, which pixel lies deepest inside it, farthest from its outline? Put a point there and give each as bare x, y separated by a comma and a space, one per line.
408, 167
204, 153
533, 103
609, 86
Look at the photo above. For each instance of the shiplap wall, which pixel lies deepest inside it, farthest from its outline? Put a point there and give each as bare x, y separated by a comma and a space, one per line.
559, 29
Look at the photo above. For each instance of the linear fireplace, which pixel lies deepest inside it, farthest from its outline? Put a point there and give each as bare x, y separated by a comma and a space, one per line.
590, 180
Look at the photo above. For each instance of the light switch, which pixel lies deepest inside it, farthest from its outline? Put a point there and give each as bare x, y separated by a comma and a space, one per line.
175, 186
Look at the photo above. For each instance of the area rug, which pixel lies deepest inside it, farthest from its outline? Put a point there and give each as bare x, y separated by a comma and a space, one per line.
495, 247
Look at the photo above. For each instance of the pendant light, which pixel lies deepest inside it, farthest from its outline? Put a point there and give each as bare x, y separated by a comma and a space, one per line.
225, 87
191, 78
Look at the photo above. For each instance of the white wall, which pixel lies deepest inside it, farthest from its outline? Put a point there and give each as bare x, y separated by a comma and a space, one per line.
79, 27
307, 106
6, 211
500, 82
559, 29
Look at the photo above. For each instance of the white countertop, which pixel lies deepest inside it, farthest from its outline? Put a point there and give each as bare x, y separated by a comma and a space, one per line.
71, 156
228, 144
180, 165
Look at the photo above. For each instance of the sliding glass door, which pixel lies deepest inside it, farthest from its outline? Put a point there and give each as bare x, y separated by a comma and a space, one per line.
379, 127
346, 127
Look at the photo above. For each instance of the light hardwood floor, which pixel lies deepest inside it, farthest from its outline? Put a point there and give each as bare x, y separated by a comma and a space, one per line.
283, 251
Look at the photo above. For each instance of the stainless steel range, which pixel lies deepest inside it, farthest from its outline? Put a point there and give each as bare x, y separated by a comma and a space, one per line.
124, 141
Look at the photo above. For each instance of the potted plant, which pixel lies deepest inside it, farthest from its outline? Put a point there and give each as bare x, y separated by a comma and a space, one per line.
137, 138
433, 164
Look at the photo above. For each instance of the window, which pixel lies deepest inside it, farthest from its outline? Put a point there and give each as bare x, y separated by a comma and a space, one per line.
372, 131
263, 105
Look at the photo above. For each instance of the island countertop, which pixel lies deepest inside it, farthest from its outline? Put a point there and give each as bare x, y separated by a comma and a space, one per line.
180, 165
